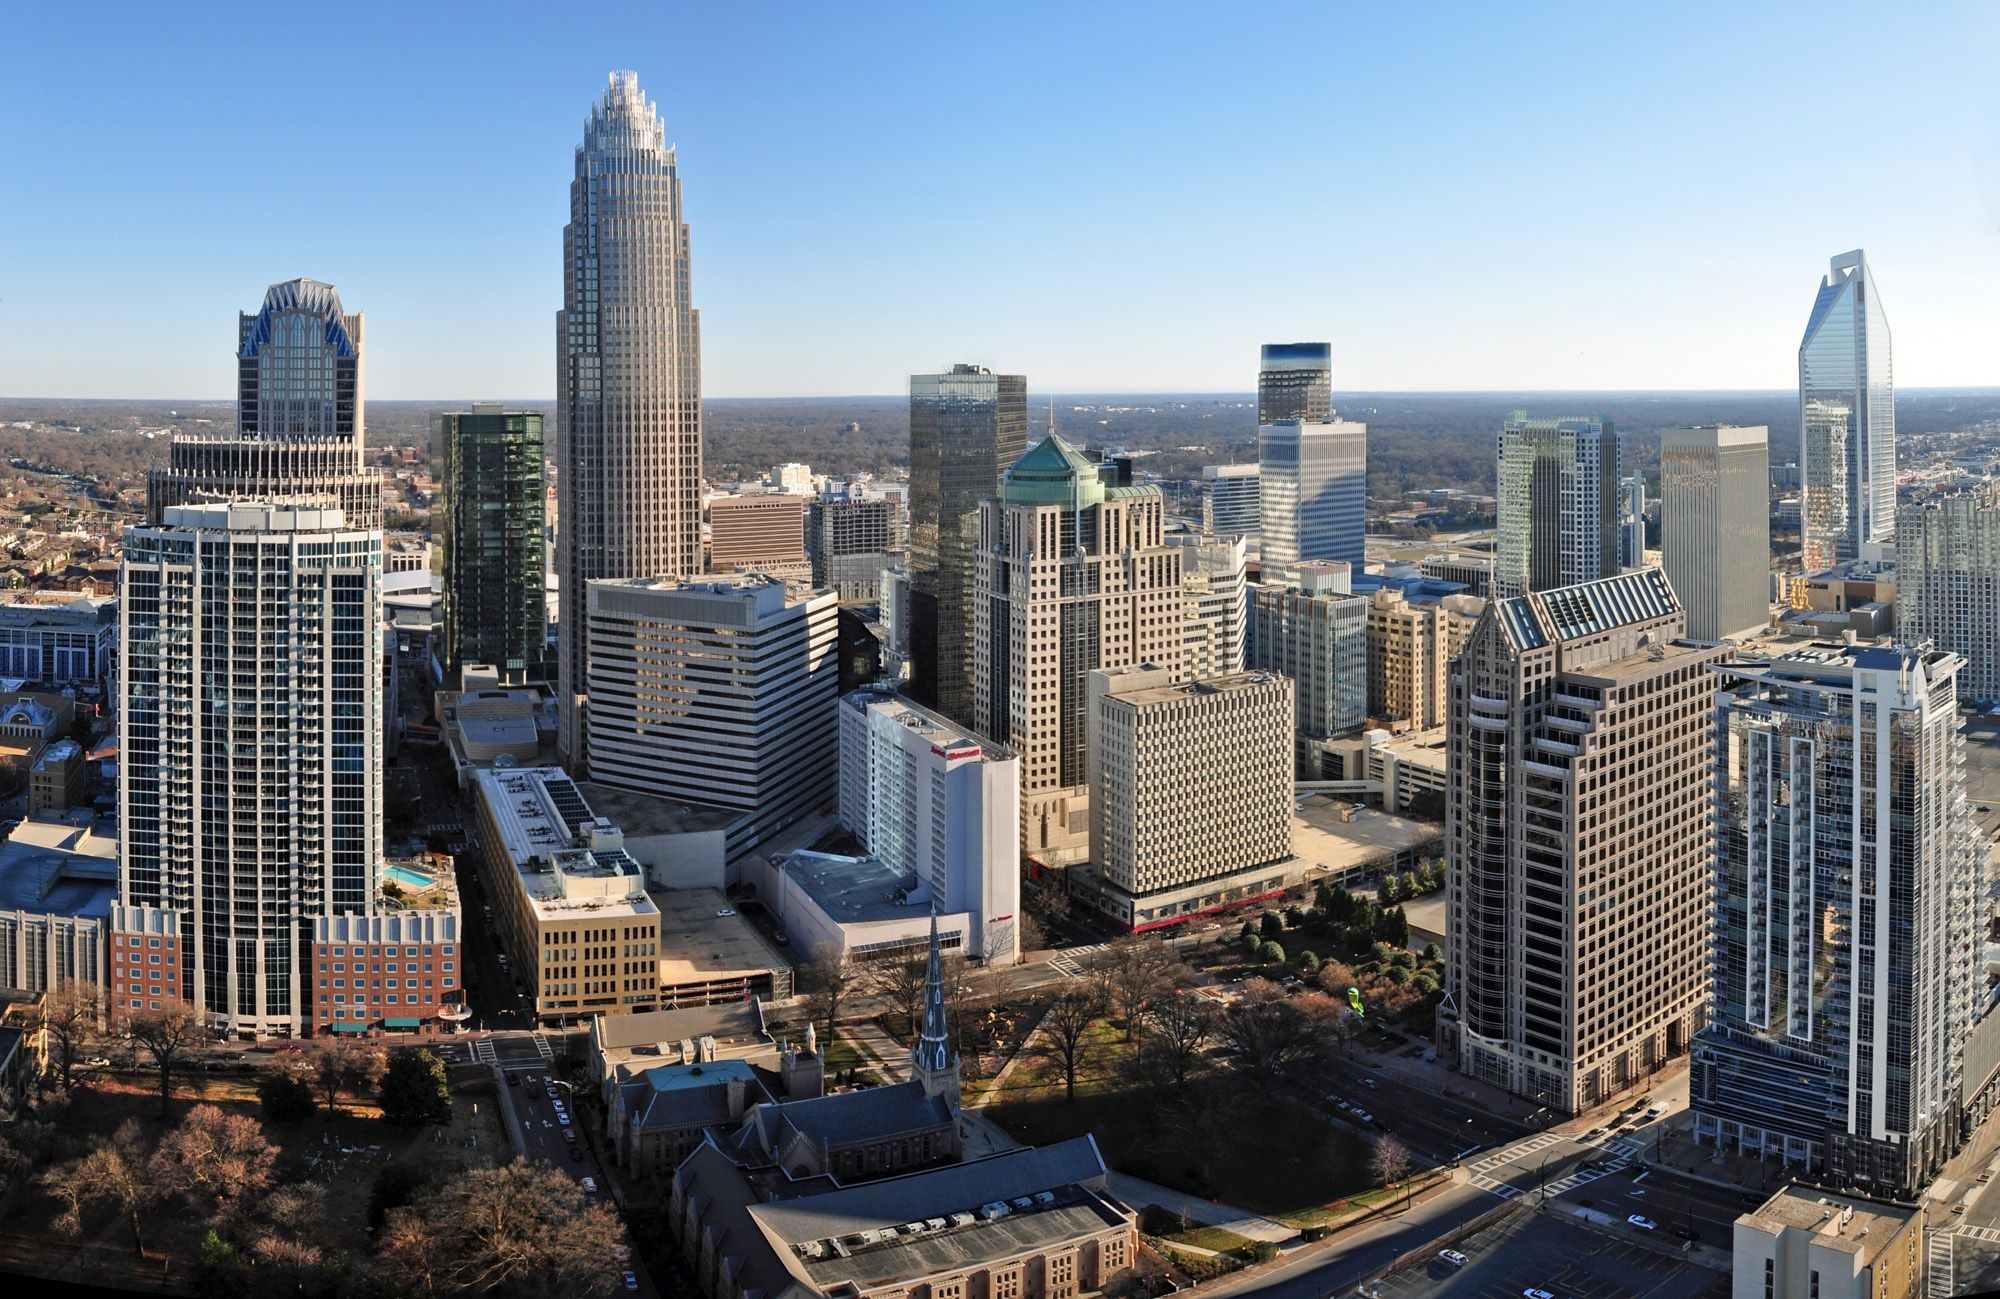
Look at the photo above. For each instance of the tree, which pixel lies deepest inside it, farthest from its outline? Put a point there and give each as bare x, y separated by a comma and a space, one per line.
343, 1066
415, 1090
214, 1161
1271, 925
824, 986
1132, 973
899, 980
1066, 1028
1391, 889
165, 1035
285, 1097
286, 1266
1273, 1035
72, 1016
115, 1171
1391, 1162
395, 1186
516, 1228
1182, 1026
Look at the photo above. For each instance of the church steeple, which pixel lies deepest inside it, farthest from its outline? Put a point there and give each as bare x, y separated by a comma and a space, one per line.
932, 1059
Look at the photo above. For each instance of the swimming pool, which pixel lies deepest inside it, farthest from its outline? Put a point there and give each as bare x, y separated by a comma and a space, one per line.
408, 878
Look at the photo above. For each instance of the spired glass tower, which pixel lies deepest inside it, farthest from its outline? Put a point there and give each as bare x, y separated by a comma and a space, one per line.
1847, 419
628, 378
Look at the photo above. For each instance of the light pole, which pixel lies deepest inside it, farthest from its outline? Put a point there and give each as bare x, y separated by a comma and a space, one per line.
1542, 1178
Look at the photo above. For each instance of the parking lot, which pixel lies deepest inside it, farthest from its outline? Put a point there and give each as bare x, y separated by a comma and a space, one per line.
1558, 1256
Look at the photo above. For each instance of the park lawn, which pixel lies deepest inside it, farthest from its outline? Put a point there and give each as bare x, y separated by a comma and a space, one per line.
1215, 1238
842, 1055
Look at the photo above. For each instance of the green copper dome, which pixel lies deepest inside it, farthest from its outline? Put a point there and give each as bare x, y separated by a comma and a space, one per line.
1053, 473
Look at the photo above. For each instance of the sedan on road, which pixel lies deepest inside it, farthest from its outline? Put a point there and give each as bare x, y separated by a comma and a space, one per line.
1643, 1224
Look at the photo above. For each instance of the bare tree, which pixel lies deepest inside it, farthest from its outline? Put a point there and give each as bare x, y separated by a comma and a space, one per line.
344, 1066
286, 1266
1065, 1029
1391, 1162
1273, 1036
1133, 971
899, 980
824, 987
165, 1035
1182, 1027
214, 1160
73, 1017
115, 1171
530, 1230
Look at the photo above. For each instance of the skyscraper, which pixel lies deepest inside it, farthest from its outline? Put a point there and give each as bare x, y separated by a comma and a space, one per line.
1577, 792
1295, 381
1313, 485
300, 419
1315, 631
1230, 500
250, 743
1848, 915
966, 427
491, 524
1558, 503
1632, 522
1715, 527
628, 378
1847, 418
1071, 575
1216, 604
1948, 584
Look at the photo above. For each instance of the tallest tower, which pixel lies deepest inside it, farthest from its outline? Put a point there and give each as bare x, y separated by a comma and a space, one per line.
628, 377
1847, 418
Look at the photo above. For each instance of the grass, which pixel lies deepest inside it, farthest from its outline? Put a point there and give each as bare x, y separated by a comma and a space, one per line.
1354, 1204
1212, 1238
842, 1055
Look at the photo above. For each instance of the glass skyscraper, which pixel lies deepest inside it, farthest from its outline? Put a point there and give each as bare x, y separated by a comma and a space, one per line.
628, 377
490, 522
1295, 381
1312, 466
1558, 507
1847, 419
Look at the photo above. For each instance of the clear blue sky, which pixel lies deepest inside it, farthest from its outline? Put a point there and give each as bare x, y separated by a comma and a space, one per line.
1105, 196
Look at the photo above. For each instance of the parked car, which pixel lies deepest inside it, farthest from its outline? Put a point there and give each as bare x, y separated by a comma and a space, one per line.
1369, 1083
1643, 1224
1452, 1257
631, 1279
1536, 1294
590, 1188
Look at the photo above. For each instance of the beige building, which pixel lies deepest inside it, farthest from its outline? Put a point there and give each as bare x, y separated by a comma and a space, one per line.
1070, 575
765, 532
1715, 527
1409, 648
1216, 600
1810, 1244
1191, 792
1577, 833
569, 903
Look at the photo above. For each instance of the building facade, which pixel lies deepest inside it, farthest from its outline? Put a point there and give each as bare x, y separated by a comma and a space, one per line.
493, 527
758, 532
1231, 501
1410, 648
1805, 1244
1072, 575
1847, 419
1313, 494
851, 542
967, 426
1558, 504
1848, 916
1295, 381
1215, 600
1632, 522
1316, 633
628, 378
1576, 833
1948, 585
70, 645
250, 748
1715, 527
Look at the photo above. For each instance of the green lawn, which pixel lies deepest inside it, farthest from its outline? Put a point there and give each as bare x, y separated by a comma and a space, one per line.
1214, 1238
842, 1055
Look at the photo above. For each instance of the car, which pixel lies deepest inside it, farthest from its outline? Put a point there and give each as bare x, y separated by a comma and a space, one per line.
1369, 1083
569, 1134
1452, 1257
291, 1048
97, 1062
1984, 808
1642, 1223
630, 1278
1343, 1105
782, 939
726, 911
1983, 1178
1536, 1294
1363, 1115
589, 1186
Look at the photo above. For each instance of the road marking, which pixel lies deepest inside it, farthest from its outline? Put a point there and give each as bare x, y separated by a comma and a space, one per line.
542, 1045
1987, 1234
483, 1051
1940, 1282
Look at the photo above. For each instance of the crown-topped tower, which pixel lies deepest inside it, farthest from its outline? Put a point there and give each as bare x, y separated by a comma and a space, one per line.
933, 1060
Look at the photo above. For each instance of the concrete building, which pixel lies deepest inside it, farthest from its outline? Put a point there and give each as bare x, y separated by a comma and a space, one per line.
851, 542
1231, 497
57, 883
762, 533
1410, 646
859, 907
1715, 527
628, 378
1316, 633
491, 525
1847, 419
250, 749
718, 692
939, 806
1473, 572
58, 641
30, 721
791, 477
570, 908
1313, 494
1191, 792
398, 968
55, 781
1947, 587
1072, 575
1558, 503
1576, 834
966, 427
1848, 912
1215, 601
1804, 1243
710, 957
486, 725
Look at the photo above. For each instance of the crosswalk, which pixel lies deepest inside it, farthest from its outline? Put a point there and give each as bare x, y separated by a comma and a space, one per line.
1938, 1281
1987, 1234
1067, 964
482, 1051
1484, 1172
542, 1045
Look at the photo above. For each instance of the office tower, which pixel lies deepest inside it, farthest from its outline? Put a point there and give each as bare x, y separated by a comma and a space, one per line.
1847, 419
765, 532
1230, 496
792, 477
1848, 915
1215, 601
1715, 527
299, 414
1316, 633
1295, 381
1071, 575
718, 691
1411, 644
851, 542
491, 521
628, 379
1557, 504
1577, 795
1313, 494
1191, 792
1632, 522
250, 751
966, 427
939, 804
1948, 585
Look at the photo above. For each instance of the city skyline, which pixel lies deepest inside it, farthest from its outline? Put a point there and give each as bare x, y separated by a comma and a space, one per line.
1060, 274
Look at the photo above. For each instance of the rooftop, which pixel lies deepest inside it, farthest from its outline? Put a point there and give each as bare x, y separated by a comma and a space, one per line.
58, 868
852, 889
697, 943
939, 729
644, 815
1321, 838
569, 858
1840, 1222
738, 1023
1234, 683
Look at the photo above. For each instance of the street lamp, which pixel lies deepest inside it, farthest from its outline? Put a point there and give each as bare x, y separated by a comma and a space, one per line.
1542, 1178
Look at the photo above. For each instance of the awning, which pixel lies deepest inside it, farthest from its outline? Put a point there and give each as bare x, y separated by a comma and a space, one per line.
402, 1023
350, 1028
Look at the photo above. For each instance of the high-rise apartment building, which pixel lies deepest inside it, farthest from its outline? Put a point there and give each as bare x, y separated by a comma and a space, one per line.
1847, 419
966, 427
1316, 633
718, 691
492, 524
300, 415
1715, 527
1191, 792
851, 541
759, 532
1295, 381
628, 379
250, 753
940, 804
1558, 504
1071, 575
1577, 795
1215, 597
1632, 522
1231, 497
1313, 494
1411, 644
1948, 585
1849, 914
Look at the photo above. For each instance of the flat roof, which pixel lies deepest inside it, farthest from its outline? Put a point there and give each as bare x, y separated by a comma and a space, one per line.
57, 868
1840, 1222
698, 944
1233, 683
643, 815
1321, 838
851, 889
543, 820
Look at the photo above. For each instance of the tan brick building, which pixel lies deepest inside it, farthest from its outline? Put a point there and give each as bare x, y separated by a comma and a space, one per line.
1410, 645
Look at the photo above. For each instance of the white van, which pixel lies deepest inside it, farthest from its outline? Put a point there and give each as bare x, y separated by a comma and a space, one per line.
590, 1186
